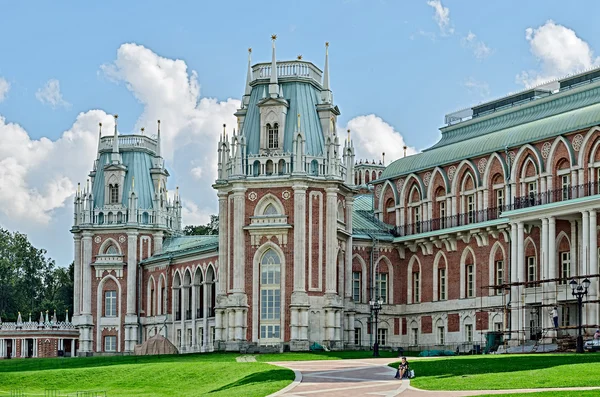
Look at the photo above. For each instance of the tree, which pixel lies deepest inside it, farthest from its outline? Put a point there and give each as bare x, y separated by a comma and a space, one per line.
210, 229
29, 281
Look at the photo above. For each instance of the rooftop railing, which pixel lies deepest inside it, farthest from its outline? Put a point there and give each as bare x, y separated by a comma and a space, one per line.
521, 202
128, 142
288, 69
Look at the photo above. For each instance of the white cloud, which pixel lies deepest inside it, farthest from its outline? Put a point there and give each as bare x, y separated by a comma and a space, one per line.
430, 35
4, 88
372, 136
481, 88
50, 94
479, 48
559, 51
35, 179
441, 17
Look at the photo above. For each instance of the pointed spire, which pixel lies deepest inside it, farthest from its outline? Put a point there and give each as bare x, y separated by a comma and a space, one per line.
67, 316
99, 137
116, 138
158, 140
47, 319
133, 183
273, 85
249, 74
298, 125
19, 319
348, 135
41, 320
326, 72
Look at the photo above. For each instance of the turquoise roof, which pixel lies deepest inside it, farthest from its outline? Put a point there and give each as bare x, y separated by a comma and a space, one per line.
303, 98
364, 222
138, 165
545, 118
185, 245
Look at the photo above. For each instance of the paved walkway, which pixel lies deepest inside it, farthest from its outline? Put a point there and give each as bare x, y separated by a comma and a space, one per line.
367, 377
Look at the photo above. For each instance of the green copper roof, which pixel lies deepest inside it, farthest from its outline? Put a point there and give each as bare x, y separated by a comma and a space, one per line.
364, 223
138, 165
303, 99
550, 117
185, 245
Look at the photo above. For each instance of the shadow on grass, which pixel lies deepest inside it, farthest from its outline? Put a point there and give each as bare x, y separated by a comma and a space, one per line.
272, 375
473, 365
43, 364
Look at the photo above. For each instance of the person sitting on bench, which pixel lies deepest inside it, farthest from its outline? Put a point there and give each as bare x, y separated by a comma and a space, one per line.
402, 372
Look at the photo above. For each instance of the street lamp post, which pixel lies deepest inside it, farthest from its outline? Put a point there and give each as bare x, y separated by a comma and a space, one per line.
375, 308
579, 291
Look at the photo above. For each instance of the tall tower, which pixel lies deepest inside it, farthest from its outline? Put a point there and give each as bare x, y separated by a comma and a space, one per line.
120, 218
285, 206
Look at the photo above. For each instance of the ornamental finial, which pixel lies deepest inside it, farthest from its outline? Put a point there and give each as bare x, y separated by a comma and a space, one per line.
299, 57
273, 37
249, 50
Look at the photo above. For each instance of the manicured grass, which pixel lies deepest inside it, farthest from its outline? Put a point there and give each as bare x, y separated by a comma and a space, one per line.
572, 393
332, 355
185, 375
497, 372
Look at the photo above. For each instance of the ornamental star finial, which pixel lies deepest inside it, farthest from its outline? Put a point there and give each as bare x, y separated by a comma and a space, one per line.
299, 56
326, 44
273, 37
250, 50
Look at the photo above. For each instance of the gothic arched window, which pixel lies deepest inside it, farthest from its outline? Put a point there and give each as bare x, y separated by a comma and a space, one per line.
273, 136
270, 210
112, 250
270, 297
114, 193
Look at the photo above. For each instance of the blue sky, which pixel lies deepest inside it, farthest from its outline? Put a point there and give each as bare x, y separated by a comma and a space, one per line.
408, 63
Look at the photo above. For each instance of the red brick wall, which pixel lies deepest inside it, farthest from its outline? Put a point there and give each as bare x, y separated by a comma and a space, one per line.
426, 326
453, 322
481, 321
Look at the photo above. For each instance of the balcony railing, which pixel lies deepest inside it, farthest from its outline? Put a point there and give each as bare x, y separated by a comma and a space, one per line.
473, 217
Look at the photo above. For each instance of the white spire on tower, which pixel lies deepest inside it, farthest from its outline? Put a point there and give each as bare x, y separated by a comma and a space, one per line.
249, 75
273, 86
326, 96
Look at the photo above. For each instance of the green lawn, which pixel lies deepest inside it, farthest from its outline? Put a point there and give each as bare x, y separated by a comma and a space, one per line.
573, 393
497, 372
185, 375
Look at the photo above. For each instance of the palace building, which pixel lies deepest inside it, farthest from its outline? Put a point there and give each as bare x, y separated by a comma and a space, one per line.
481, 232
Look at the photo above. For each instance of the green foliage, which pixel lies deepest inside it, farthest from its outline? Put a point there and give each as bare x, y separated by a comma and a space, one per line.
210, 229
562, 393
498, 372
29, 281
181, 375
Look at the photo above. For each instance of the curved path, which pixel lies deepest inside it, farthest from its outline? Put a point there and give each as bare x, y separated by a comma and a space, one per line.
367, 377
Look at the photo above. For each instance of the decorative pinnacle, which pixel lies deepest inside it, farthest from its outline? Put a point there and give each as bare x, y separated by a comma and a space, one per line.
116, 116
142, 129
100, 124
299, 57
273, 37
326, 44
249, 50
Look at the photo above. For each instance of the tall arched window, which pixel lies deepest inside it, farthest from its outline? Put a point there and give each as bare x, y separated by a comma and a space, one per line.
111, 250
270, 210
270, 297
114, 193
273, 136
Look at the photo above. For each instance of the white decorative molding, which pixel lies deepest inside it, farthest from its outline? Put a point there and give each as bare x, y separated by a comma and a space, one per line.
577, 141
451, 172
546, 149
286, 195
252, 196
122, 239
427, 178
378, 191
511, 157
481, 165
97, 239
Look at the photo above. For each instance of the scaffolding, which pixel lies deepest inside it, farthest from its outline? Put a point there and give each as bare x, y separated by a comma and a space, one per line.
555, 293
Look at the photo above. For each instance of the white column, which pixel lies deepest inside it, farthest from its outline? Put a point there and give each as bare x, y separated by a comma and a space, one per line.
239, 324
73, 348
205, 287
77, 275
299, 237
573, 248
348, 257
131, 272
593, 290
223, 249
331, 238
87, 276
194, 311
552, 251
585, 269
544, 268
183, 303
239, 245
158, 240
231, 324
